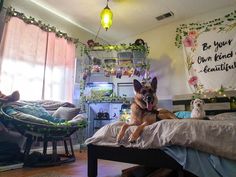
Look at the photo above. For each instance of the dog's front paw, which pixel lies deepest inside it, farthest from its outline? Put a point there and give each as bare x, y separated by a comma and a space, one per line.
133, 139
119, 138
118, 141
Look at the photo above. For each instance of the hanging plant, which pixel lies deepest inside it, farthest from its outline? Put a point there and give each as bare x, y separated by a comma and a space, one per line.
113, 66
139, 45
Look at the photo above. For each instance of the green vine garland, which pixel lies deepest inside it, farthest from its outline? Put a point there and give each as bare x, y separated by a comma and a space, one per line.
183, 30
11, 12
121, 47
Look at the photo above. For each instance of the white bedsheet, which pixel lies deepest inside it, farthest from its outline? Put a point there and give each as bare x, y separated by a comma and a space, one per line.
216, 137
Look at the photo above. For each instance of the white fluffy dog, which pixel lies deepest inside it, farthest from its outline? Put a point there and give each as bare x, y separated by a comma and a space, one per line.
198, 108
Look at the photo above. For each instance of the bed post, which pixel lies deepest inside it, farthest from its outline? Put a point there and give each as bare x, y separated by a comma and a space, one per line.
92, 162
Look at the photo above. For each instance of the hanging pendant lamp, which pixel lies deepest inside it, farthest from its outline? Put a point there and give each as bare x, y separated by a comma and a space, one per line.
106, 17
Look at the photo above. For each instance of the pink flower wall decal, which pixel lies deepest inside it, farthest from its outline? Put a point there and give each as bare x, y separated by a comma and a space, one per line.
193, 80
192, 34
188, 42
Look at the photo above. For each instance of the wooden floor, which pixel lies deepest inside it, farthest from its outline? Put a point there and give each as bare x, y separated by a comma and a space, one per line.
75, 169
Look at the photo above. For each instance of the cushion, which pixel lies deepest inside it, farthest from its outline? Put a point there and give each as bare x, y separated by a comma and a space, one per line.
183, 114
78, 118
66, 113
38, 111
9, 110
224, 116
30, 118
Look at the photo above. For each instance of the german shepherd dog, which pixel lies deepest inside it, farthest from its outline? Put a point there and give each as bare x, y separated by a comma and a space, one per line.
144, 110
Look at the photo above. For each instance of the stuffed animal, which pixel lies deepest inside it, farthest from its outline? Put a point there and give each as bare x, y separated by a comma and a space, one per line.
198, 108
10, 98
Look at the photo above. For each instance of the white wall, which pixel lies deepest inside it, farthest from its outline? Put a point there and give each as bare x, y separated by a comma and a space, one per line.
166, 59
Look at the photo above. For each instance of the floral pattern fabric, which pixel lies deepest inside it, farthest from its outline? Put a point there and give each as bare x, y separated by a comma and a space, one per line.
210, 53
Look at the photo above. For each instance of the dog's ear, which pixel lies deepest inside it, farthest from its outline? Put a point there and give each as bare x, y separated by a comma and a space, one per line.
137, 86
203, 102
191, 103
154, 84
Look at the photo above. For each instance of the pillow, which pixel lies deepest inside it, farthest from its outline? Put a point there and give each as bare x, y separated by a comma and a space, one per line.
66, 113
183, 114
34, 110
30, 118
224, 116
38, 111
78, 118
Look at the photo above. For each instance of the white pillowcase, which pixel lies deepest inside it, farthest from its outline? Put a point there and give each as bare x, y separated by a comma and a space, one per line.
66, 113
79, 117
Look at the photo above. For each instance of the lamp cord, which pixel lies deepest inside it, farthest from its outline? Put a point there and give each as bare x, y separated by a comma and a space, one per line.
100, 29
97, 33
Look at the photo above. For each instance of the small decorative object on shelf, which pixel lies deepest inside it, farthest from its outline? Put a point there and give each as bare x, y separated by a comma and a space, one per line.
102, 115
125, 112
233, 103
113, 99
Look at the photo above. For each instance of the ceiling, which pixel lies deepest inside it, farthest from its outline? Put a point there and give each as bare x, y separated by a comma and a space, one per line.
130, 17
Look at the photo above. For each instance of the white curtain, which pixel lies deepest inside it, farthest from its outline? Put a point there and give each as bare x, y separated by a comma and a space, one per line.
30, 63
60, 66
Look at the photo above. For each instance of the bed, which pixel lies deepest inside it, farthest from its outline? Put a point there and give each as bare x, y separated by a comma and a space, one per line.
169, 154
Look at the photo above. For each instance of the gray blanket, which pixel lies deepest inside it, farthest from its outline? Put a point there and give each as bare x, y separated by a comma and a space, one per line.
217, 137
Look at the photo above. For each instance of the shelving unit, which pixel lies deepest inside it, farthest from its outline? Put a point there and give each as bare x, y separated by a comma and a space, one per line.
96, 123
110, 63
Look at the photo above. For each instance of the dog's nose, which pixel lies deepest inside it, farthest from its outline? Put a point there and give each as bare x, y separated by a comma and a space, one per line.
198, 105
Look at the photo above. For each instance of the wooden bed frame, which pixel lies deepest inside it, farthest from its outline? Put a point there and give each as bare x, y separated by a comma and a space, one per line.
147, 157
156, 157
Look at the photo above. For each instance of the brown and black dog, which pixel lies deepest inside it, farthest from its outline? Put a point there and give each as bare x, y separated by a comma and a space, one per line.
144, 109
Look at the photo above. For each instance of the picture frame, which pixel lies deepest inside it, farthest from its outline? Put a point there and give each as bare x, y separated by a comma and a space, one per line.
125, 89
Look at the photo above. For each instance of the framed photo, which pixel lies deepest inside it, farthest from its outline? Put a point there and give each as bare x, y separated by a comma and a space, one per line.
125, 89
